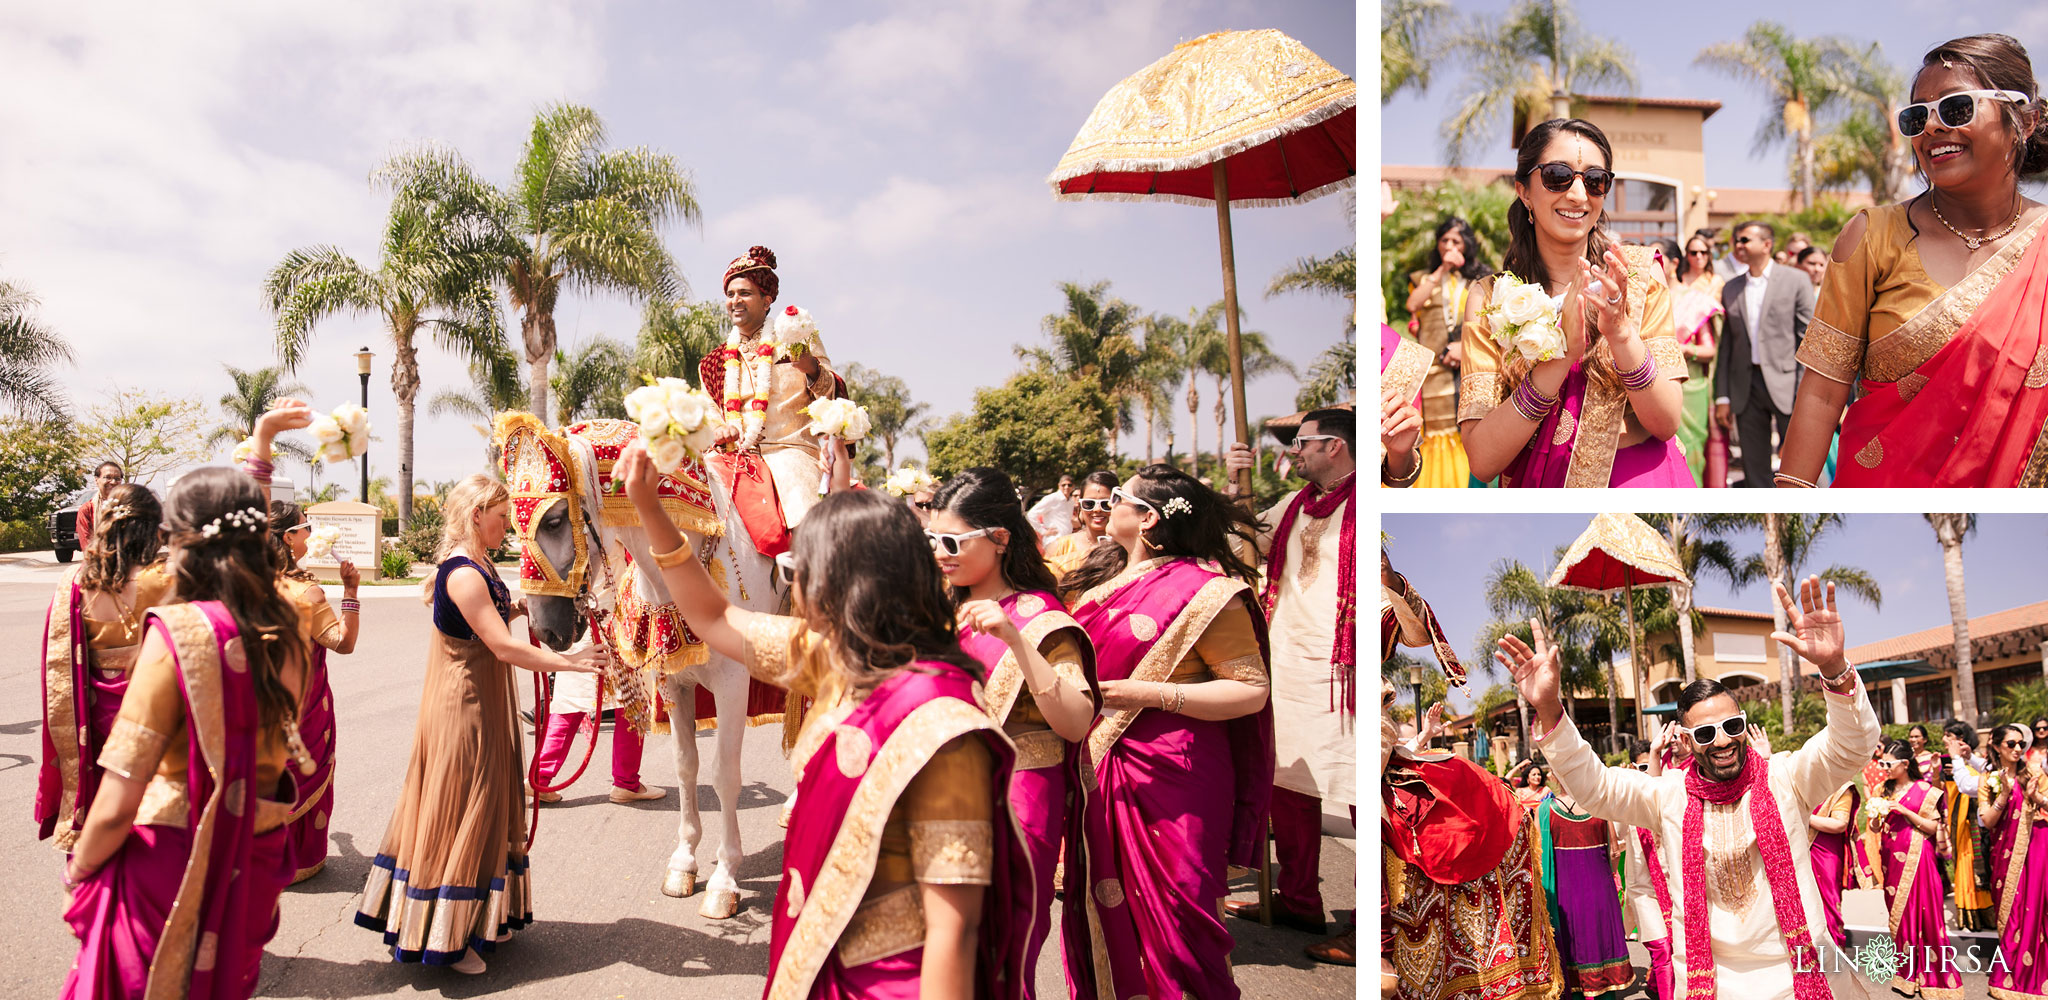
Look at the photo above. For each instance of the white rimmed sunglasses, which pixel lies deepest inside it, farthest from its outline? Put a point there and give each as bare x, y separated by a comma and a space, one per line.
1955, 110
950, 544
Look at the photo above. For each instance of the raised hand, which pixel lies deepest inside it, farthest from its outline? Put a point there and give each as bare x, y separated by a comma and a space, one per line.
1535, 669
1432, 727
1400, 425
989, 618
1606, 295
1815, 627
1759, 740
636, 471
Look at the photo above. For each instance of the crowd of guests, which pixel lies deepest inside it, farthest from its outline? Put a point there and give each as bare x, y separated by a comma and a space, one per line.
1773, 364
1004, 717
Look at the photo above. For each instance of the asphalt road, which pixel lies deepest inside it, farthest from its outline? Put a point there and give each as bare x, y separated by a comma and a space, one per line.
603, 927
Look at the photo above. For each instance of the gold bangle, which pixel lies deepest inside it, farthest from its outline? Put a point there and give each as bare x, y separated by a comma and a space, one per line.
670, 560
1786, 477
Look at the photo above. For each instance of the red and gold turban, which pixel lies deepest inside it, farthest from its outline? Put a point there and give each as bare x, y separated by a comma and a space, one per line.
758, 264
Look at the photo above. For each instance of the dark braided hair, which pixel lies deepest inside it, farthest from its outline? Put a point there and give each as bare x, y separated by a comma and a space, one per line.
127, 535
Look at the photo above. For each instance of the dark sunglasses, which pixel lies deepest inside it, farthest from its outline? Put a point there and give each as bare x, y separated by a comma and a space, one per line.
921, 504
1557, 178
1699, 253
1095, 505
1734, 725
2014, 744
1955, 110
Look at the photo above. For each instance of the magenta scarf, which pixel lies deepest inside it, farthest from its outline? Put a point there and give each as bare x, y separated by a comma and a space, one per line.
1776, 847
1038, 616
845, 794
66, 780
1320, 504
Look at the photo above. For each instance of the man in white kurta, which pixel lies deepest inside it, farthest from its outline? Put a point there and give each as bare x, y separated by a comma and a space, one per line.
1749, 954
1314, 730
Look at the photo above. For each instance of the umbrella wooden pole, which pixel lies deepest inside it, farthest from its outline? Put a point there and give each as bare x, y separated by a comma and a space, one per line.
1244, 479
1635, 657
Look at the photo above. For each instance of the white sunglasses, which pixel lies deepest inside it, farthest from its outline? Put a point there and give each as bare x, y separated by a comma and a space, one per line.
1117, 495
1955, 110
785, 567
950, 544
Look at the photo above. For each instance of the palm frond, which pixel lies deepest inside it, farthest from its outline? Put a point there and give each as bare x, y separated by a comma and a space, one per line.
312, 284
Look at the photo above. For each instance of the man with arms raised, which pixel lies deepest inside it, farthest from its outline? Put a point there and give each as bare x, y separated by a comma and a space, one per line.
1747, 919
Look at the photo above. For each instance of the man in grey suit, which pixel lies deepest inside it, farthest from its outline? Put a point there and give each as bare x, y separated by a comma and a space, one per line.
1768, 308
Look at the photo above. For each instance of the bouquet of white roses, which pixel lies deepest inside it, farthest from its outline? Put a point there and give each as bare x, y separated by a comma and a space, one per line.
245, 450
343, 434
1526, 320
794, 327
838, 418
320, 542
1876, 808
676, 420
909, 481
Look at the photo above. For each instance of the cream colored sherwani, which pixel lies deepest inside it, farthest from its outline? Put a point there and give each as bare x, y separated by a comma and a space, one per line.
791, 452
1316, 745
1749, 949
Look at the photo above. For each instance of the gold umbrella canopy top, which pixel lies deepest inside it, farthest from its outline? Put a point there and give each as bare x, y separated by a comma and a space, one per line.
1283, 121
1615, 552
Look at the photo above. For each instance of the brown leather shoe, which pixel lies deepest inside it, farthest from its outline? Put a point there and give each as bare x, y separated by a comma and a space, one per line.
1282, 916
1339, 950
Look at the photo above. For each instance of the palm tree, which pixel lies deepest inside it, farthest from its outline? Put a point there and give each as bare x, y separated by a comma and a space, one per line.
1409, 31
430, 277
1950, 530
1164, 364
1874, 88
1332, 377
28, 350
1586, 627
1694, 539
576, 215
1336, 274
255, 393
1799, 77
676, 337
1209, 352
593, 382
495, 387
1790, 540
1093, 340
1528, 63
891, 412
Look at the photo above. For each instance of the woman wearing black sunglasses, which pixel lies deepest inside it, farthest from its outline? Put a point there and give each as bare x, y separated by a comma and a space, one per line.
1932, 306
1605, 409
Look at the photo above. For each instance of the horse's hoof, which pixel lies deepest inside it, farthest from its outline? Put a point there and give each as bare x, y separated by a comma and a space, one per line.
679, 884
720, 904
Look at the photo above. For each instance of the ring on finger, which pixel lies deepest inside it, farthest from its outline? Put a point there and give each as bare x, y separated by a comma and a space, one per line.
1614, 300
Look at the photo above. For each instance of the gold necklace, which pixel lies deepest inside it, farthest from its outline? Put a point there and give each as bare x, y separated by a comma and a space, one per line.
1453, 301
1974, 242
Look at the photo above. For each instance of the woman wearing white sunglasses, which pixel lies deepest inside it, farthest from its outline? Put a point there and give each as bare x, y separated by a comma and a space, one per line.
1932, 306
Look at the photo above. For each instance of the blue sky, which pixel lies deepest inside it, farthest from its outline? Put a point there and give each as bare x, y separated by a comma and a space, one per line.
1665, 38
1448, 559
160, 159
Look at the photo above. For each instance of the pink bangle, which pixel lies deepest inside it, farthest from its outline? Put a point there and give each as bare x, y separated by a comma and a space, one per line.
1643, 375
1531, 403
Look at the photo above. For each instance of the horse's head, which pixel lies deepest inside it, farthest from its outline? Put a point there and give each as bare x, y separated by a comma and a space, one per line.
547, 488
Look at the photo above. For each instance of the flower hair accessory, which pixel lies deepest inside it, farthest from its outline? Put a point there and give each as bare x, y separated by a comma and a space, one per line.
1177, 505
114, 512
249, 519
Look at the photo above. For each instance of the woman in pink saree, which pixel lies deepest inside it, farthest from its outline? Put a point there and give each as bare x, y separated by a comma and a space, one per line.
1913, 892
1040, 665
1935, 307
905, 872
1832, 857
326, 629
2014, 800
1182, 758
176, 874
90, 641
1604, 407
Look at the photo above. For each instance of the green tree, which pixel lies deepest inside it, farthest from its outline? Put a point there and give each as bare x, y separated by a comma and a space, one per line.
1407, 236
432, 277
1208, 345
1951, 530
1410, 44
1799, 77
255, 392
1332, 377
891, 412
1703, 550
28, 350
1527, 63
1165, 364
40, 467
1862, 145
495, 387
1035, 426
1094, 339
2021, 703
1585, 627
676, 337
1790, 543
1335, 275
324, 494
593, 382
146, 433
576, 216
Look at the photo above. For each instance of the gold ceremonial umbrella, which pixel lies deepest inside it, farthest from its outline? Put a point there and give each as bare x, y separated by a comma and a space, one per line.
1620, 552
1251, 117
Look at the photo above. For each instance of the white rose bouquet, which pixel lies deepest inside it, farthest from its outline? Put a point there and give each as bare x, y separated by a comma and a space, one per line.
1876, 808
838, 418
245, 450
676, 420
1526, 320
910, 481
320, 543
794, 327
343, 434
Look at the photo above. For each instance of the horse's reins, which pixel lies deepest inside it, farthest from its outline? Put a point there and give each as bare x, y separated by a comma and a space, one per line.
542, 695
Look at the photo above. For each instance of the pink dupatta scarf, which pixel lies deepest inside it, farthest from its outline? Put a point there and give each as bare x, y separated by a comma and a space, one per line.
1973, 413
1776, 848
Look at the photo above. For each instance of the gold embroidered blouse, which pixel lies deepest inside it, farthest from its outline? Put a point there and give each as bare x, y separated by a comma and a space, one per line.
1228, 650
1063, 653
1866, 299
114, 641
318, 621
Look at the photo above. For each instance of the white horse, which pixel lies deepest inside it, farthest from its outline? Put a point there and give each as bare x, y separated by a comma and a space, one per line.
560, 478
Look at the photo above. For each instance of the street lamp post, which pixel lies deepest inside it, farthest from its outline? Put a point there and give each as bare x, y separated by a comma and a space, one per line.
1415, 678
363, 371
